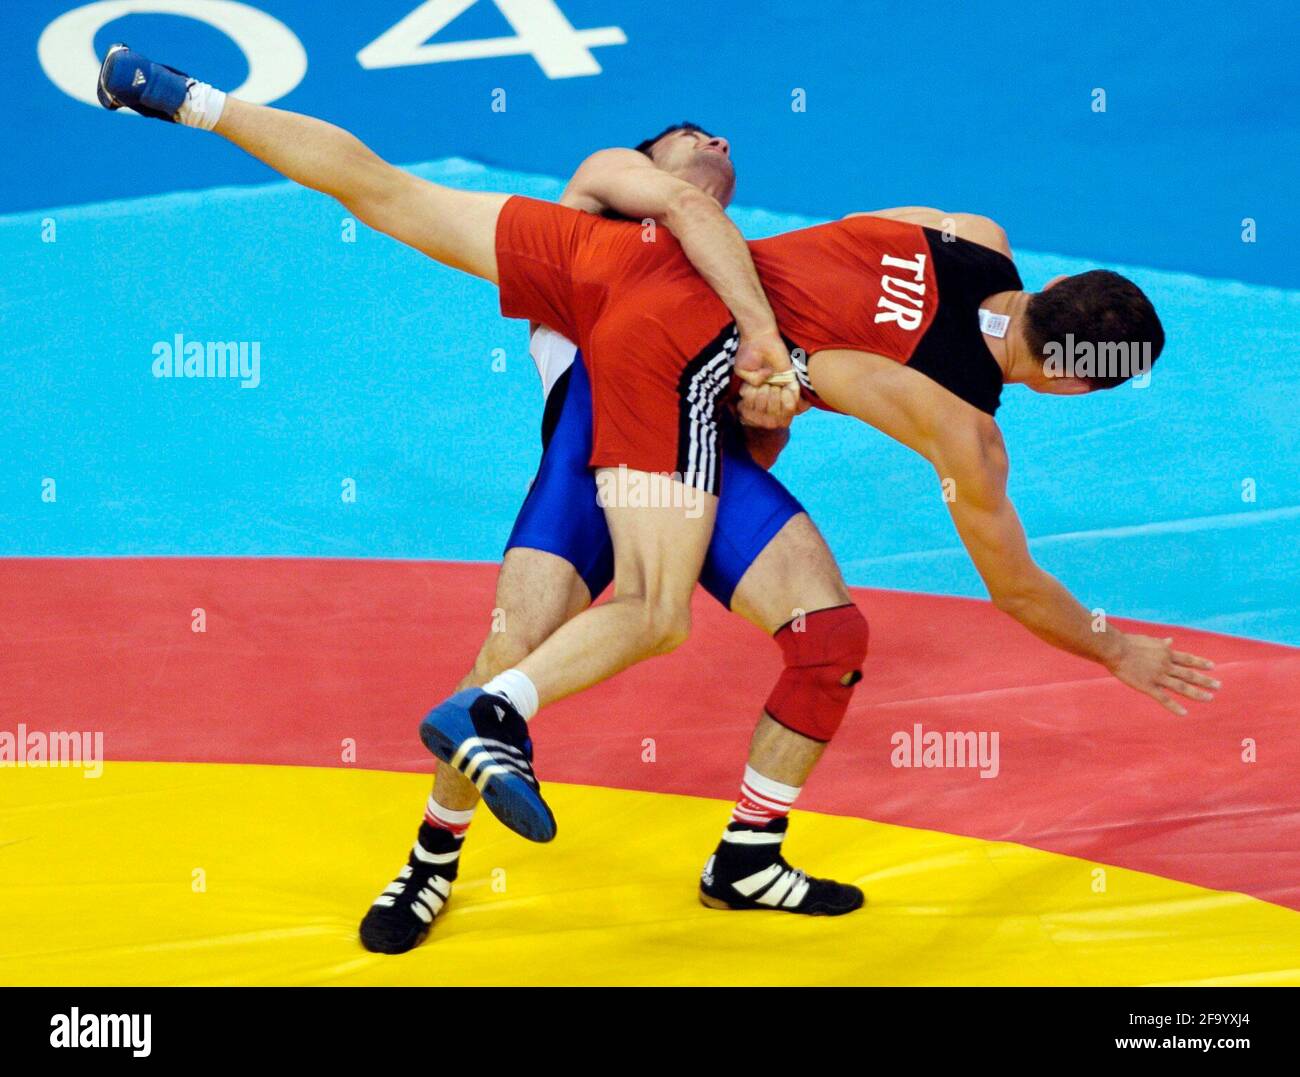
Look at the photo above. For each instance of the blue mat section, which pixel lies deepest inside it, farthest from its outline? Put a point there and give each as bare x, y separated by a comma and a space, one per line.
380, 367
984, 108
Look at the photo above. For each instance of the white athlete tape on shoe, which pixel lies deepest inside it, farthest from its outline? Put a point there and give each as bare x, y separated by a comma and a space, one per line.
426, 857
751, 837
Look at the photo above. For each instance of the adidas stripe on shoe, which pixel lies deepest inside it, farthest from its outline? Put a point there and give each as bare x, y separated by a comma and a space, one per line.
747, 871
485, 738
400, 918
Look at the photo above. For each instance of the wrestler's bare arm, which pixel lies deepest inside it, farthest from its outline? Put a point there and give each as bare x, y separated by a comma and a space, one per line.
966, 450
629, 183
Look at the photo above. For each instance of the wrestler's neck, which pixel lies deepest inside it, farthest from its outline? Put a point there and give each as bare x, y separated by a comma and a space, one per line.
1011, 351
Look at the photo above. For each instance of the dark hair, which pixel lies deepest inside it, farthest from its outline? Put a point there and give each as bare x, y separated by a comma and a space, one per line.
685, 125
1101, 309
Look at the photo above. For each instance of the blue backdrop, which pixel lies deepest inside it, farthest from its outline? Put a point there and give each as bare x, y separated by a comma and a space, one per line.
986, 107
1176, 503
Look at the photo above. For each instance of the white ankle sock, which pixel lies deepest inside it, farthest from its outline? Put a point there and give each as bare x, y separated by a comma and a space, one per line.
447, 819
518, 690
762, 799
202, 106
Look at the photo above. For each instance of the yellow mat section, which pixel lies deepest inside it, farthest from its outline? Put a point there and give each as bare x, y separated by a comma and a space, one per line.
159, 873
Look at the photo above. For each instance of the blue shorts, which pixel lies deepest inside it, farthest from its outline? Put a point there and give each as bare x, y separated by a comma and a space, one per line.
561, 514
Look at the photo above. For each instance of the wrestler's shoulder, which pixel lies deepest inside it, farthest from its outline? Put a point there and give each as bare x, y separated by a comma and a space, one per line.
982, 230
974, 227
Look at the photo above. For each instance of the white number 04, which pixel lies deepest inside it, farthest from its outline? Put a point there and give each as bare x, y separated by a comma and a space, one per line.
541, 31
277, 61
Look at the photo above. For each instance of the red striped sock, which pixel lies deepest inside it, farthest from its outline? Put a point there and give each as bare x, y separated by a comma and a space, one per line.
762, 800
446, 819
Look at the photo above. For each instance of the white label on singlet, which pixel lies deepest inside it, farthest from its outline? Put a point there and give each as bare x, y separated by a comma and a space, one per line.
995, 325
553, 353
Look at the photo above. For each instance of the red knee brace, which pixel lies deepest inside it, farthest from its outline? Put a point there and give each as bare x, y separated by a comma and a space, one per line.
823, 651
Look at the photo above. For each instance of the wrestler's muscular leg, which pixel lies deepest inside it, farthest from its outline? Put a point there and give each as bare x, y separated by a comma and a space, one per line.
795, 572
659, 541
658, 553
536, 593
457, 228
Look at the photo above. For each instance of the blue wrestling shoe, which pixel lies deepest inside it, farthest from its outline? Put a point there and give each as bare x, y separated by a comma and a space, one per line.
129, 80
484, 738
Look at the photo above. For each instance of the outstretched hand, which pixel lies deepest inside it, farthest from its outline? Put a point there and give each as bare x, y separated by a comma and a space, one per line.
1153, 667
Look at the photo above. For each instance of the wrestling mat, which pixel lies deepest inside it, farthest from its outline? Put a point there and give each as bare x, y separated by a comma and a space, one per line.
264, 782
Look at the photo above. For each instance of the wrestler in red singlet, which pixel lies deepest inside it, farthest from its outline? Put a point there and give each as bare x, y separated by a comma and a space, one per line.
659, 343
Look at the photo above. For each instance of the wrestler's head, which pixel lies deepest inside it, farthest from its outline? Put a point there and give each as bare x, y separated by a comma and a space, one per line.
1091, 331
691, 153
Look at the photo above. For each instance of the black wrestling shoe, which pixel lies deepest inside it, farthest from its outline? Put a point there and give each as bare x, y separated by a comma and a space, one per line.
401, 916
747, 871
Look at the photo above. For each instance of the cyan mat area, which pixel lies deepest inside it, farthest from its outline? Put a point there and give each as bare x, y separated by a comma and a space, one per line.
377, 365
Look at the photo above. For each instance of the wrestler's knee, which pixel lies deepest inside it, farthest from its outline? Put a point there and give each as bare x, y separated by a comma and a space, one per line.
823, 651
502, 650
511, 638
673, 626
663, 624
